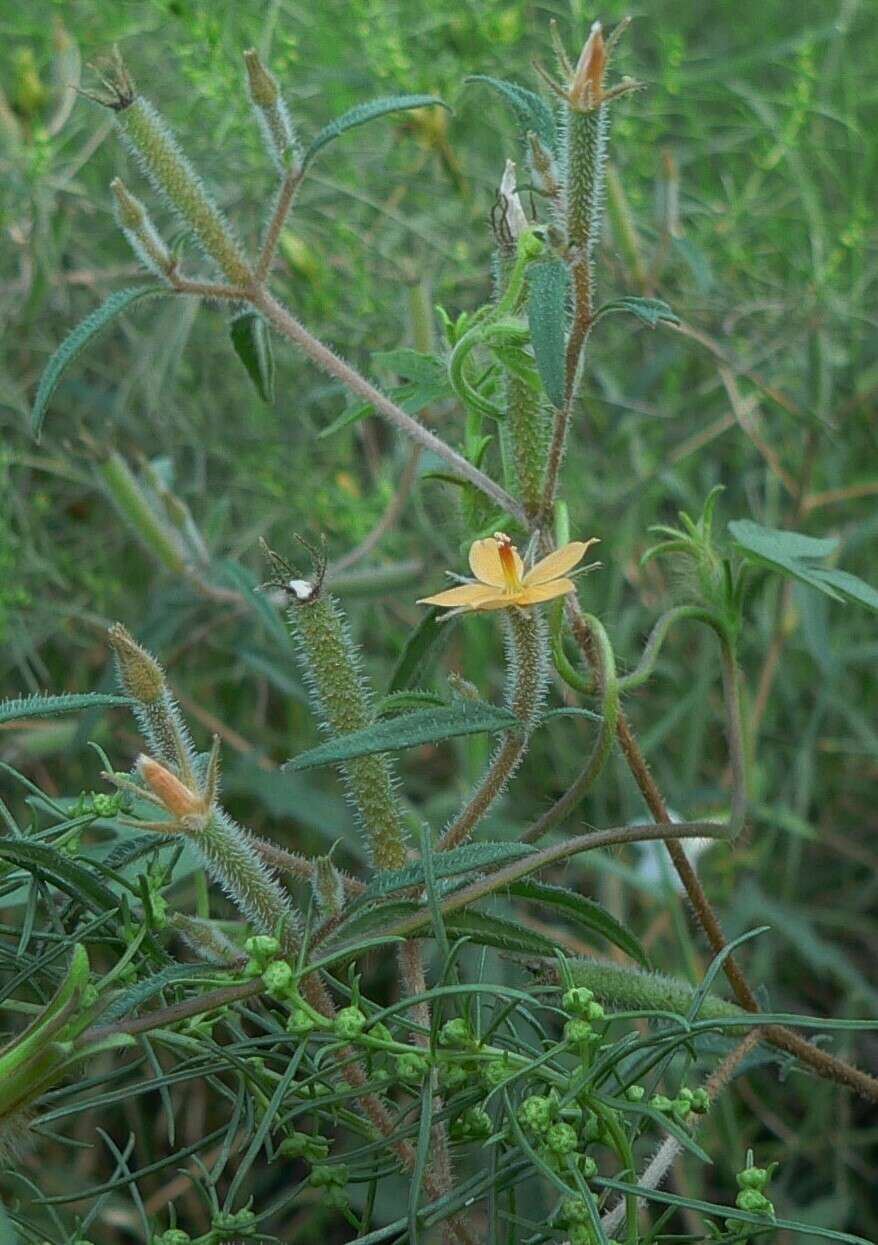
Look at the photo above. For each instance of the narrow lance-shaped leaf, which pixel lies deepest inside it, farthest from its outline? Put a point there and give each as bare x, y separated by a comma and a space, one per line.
49, 706
584, 911
367, 112
251, 340
548, 282
74, 344
409, 730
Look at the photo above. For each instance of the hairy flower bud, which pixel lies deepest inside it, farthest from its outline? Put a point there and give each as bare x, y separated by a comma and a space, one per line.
140, 232
271, 111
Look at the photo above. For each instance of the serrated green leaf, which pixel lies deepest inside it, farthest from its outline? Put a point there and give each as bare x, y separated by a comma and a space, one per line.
791, 553
548, 282
67, 874
651, 311
74, 344
592, 916
471, 858
423, 726
532, 112
422, 644
251, 340
49, 706
368, 112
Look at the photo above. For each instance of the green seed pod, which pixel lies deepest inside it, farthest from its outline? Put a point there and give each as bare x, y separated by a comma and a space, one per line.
173, 176
332, 667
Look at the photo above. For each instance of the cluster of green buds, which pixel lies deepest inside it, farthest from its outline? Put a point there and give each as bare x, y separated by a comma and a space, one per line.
687, 1102
752, 1182
584, 1012
559, 1143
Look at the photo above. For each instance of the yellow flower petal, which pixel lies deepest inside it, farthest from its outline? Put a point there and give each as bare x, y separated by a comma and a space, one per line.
484, 560
466, 594
559, 562
534, 593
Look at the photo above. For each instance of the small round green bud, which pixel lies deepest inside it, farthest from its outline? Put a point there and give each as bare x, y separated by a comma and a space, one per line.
754, 1201
380, 1032
474, 1125
574, 1211
594, 1011
299, 1022
700, 1102
412, 1068
456, 1034
562, 1139
262, 947
278, 976
349, 1023
634, 1093
452, 1077
537, 1113
592, 1127
494, 1072
576, 1000
303, 1146
659, 1102
578, 1032
172, 1236
753, 1178
581, 1234
326, 1176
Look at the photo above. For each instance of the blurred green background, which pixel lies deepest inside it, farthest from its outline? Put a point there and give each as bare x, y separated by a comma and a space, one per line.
744, 195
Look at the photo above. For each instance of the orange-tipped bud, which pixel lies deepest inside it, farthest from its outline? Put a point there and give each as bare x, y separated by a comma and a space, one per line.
587, 88
174, 795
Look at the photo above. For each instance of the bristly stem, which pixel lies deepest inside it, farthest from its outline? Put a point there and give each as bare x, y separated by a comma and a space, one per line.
290, 184
291, 328
603, 746
527, 660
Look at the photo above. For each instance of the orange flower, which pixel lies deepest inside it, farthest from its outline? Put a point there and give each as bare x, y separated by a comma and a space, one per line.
502, 580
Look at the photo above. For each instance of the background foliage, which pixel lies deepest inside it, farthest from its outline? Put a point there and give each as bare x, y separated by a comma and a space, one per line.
749, 170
